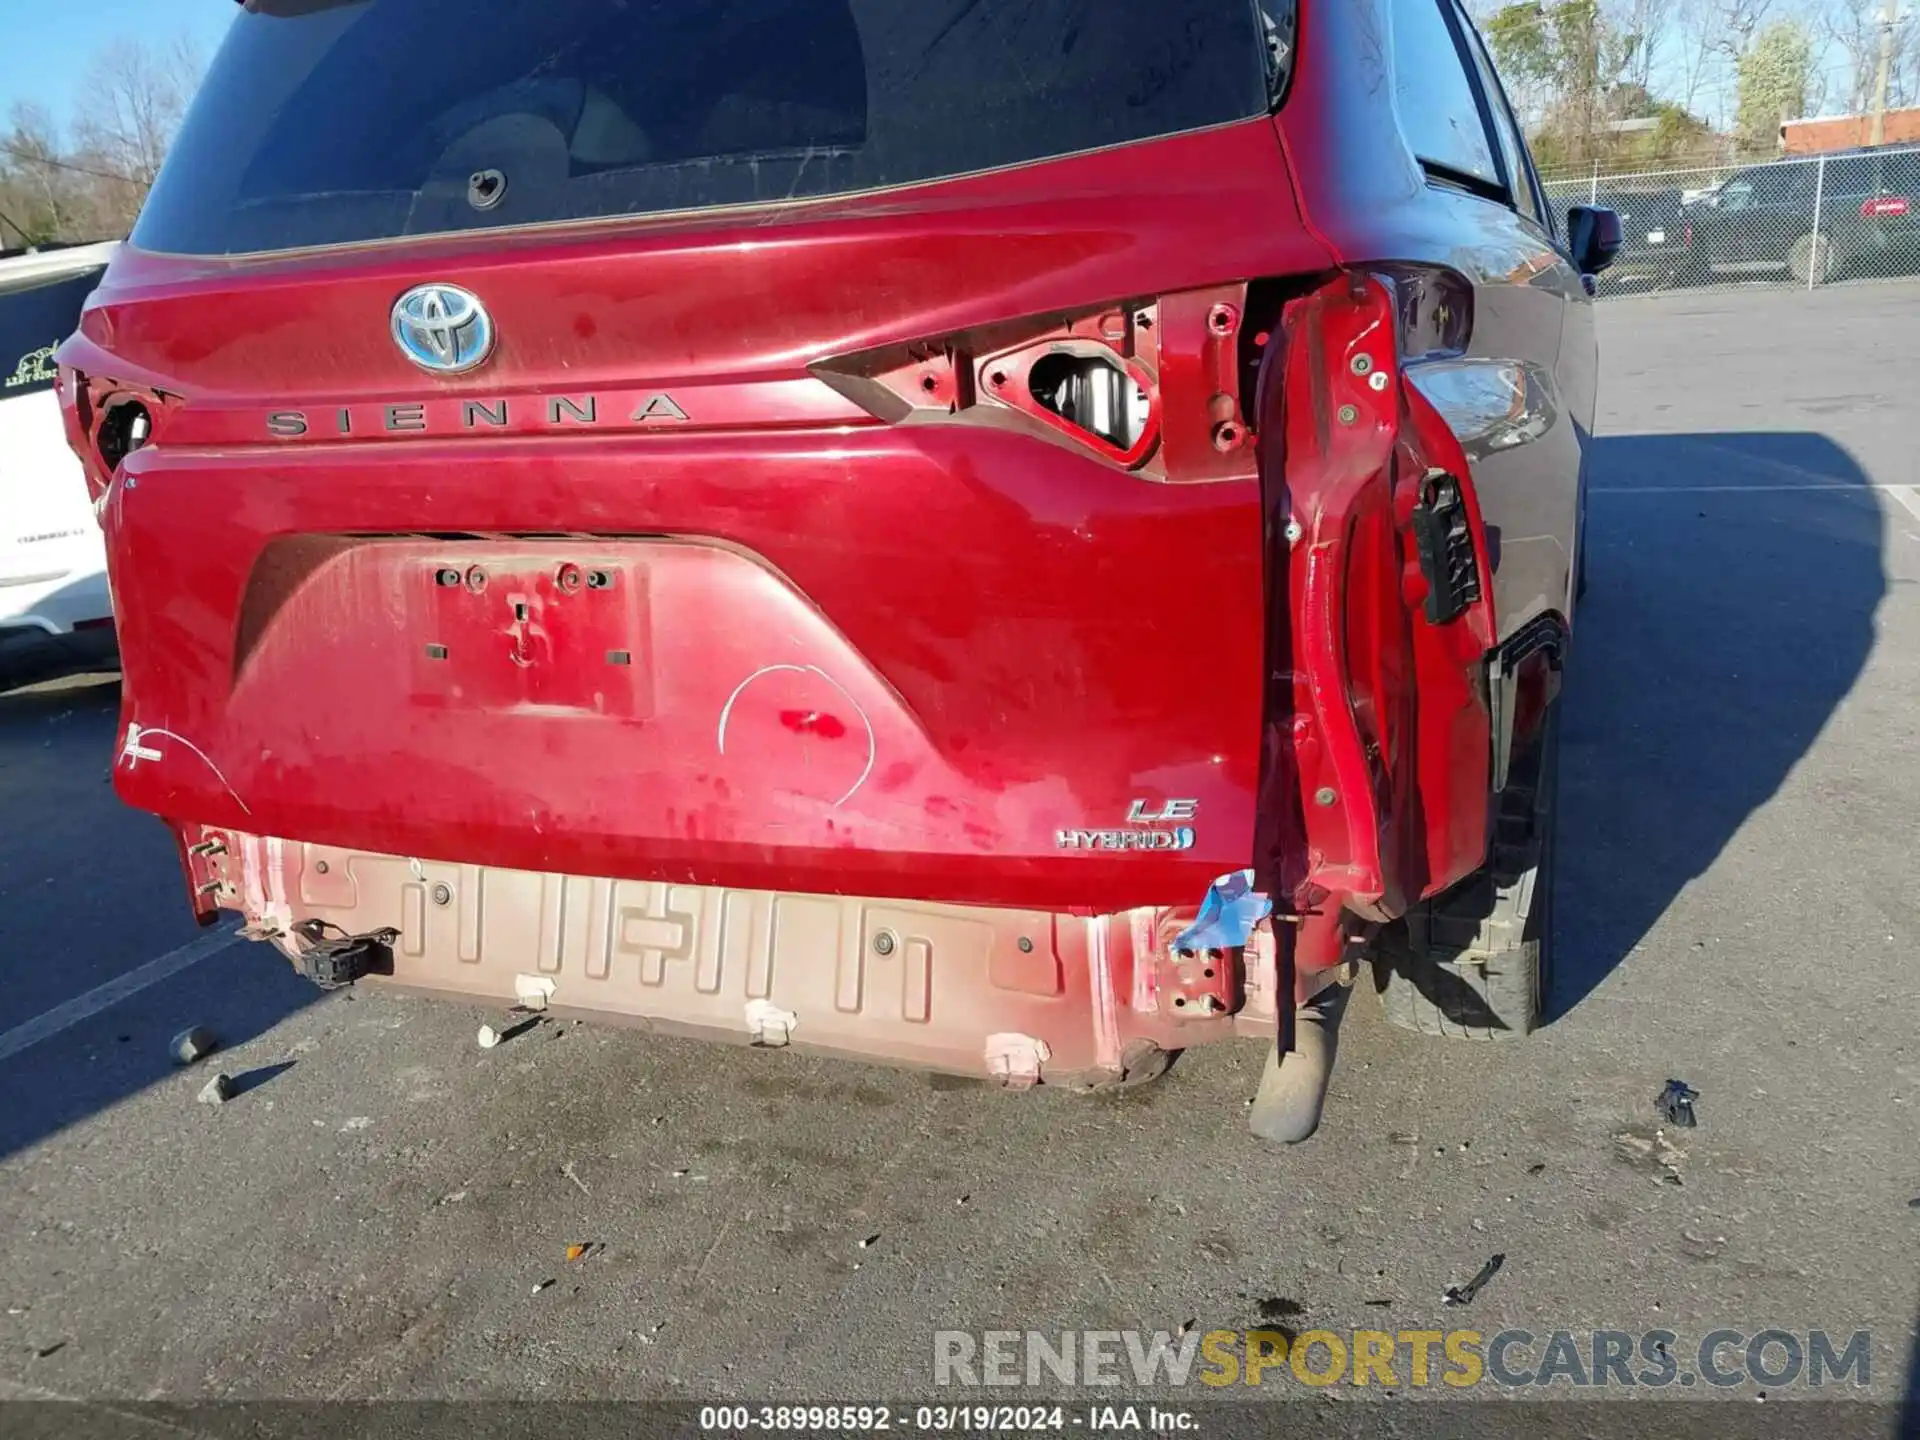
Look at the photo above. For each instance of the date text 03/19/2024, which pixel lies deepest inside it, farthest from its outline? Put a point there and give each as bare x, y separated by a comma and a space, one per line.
945, 1419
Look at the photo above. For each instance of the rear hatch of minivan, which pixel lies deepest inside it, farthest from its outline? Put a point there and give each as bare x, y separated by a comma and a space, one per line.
795, 448
854, 495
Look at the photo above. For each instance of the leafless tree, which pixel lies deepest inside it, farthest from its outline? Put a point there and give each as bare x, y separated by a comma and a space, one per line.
1709, 37
1854, 27
40, 196
132, 104
1904, 88
1651, 24
1739, 21
1696, 33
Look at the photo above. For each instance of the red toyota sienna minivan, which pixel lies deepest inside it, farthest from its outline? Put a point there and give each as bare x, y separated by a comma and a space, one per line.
1015, 536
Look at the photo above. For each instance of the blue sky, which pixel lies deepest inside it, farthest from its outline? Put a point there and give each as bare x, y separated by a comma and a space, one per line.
45, 44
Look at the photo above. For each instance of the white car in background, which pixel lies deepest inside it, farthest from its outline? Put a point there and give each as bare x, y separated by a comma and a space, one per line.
56, 613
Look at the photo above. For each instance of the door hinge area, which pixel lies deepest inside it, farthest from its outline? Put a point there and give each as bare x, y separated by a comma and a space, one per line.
1443, 538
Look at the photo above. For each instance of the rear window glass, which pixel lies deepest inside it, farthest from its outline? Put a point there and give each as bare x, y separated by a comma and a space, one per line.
330, 121
1439, 112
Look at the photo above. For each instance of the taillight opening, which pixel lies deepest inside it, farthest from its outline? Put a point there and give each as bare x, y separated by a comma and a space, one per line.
1095, 393
126, 426
1091, 381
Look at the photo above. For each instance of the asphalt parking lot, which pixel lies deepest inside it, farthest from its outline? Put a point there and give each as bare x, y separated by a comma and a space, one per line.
377, 1214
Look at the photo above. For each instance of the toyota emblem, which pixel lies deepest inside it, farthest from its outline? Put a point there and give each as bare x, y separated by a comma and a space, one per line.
443, 328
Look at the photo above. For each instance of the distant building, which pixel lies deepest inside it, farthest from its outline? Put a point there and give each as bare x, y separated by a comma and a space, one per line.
1845, 132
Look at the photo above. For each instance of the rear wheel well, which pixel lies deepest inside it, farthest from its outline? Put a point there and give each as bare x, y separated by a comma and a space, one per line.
1523, 679
1477, 961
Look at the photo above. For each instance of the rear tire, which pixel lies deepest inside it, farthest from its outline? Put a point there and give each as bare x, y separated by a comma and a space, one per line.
1476, 963
1811, 255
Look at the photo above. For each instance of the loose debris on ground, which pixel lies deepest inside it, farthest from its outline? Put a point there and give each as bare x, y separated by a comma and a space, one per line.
1463, 1294
489, 1036
192, 1044
1675, 1104
1654, 1152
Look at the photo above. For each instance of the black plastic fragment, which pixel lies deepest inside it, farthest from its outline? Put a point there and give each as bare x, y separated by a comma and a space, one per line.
1463, 1294
1675, 1104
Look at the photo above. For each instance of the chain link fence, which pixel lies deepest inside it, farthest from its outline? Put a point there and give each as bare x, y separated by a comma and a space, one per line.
1809, 221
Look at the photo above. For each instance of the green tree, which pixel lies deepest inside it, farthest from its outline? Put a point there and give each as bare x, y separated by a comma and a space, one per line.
1523, 43
1566, 63
1772, 79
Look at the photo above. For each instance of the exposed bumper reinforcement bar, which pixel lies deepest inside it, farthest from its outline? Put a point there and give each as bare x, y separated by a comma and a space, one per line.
1018, 996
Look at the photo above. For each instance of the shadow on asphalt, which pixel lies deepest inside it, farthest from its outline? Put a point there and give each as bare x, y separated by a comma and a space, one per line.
89, 891
29, 655
1720, 631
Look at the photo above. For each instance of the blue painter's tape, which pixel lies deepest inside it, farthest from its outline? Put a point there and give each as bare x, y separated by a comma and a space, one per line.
1227, 916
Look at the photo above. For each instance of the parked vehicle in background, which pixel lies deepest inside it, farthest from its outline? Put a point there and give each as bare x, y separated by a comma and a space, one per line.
1762, 219
56, 614
902, 529
1653, 248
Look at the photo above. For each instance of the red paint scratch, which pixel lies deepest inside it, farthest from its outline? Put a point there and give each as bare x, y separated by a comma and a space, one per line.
812, 722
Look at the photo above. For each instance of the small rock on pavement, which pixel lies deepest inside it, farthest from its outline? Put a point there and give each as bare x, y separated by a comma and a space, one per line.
194, 1044
218, 1090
